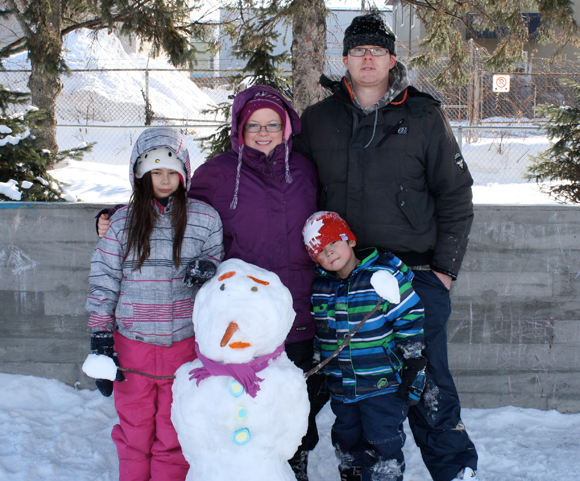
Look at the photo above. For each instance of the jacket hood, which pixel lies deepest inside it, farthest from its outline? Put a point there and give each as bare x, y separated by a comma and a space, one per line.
398, 82
158, 137
240, 101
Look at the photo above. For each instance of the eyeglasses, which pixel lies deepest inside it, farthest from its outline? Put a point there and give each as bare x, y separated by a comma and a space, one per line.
361, 51
255, 128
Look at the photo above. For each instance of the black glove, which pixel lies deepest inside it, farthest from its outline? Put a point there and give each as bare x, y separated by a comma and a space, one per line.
316, 385
102, 343
199, 271
412, 380
318, 393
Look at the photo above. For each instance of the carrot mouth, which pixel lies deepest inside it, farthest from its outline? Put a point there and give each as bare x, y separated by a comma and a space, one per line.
239, 345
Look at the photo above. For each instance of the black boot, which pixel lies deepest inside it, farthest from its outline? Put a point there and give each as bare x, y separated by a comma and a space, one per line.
350, 473
299, 464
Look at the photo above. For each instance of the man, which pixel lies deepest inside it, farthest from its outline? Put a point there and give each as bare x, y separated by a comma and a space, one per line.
390, 166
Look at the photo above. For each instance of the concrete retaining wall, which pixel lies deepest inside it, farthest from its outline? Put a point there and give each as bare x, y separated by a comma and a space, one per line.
513, 336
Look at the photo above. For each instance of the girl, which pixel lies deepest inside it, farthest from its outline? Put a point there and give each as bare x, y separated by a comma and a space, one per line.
141, 308
264, 192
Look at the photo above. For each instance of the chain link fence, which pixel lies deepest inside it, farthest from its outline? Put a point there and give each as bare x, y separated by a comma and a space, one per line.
498, 132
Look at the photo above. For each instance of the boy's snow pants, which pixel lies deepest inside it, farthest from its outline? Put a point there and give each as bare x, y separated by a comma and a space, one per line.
369, 433
436, 420
146, 440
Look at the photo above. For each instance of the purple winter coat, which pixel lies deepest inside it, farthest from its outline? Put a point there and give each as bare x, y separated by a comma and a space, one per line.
265, 228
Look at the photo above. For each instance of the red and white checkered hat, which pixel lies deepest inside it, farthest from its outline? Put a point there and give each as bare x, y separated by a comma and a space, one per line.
321, 229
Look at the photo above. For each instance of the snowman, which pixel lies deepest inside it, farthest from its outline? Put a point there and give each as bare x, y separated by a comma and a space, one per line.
241, 409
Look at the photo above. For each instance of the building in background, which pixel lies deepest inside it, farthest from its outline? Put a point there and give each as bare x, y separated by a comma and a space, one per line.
410, 31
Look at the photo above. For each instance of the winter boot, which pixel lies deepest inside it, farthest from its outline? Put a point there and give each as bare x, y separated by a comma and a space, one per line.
299, 464
350, 473
466, 474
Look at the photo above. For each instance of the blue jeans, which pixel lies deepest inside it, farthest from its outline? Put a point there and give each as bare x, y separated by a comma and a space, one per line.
369, 433
436, 420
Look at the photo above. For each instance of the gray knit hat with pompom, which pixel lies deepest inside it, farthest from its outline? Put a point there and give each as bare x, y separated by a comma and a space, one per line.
370, 29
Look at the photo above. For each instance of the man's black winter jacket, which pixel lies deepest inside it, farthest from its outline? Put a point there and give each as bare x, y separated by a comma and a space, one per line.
395, 175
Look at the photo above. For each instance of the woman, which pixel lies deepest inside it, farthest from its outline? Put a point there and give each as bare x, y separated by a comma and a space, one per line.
264, 193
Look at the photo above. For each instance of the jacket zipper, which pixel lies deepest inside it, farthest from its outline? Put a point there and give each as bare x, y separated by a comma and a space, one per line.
387, 350
270, 167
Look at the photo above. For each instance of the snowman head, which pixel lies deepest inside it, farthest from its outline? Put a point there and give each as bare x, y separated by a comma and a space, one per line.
242, 313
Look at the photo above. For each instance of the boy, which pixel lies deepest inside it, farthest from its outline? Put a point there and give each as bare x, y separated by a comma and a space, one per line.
374, 379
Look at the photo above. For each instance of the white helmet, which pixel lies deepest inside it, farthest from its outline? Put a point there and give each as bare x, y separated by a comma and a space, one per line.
160, 158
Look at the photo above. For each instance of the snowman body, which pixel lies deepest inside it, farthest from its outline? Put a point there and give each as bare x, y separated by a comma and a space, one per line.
225, 431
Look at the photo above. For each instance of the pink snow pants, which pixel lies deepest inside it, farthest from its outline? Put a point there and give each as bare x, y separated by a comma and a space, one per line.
146, 440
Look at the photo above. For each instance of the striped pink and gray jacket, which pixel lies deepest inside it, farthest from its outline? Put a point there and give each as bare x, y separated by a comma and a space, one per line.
152, 305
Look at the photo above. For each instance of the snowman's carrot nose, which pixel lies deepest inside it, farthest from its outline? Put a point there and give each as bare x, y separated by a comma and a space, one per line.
232, 327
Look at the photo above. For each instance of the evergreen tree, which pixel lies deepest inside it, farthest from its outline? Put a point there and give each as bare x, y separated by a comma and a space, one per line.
560, 162
254, 43
255, 23
218, 142
23, 162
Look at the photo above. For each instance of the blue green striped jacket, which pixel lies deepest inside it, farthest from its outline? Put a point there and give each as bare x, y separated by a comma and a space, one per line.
370, 364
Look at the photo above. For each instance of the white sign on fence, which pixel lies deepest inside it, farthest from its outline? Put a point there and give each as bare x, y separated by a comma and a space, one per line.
501, 83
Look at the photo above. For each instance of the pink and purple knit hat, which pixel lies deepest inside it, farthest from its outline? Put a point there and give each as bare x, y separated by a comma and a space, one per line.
264, 100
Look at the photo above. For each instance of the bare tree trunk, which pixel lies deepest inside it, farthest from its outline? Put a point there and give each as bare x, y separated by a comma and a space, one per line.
45, 90
308, 49
45, 48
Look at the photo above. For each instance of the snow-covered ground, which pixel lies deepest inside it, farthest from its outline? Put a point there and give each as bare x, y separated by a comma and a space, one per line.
51, 432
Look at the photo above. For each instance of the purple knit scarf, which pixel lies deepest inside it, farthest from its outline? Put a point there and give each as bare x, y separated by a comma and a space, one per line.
244, 373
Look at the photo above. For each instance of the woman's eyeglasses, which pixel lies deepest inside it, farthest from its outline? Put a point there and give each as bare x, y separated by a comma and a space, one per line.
255, 128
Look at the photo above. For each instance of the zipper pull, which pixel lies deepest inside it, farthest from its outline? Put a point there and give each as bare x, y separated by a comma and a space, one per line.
388, 134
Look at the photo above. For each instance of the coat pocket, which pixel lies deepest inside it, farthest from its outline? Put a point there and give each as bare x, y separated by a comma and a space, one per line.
416, 207
394, 361
124, 313
321, 318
